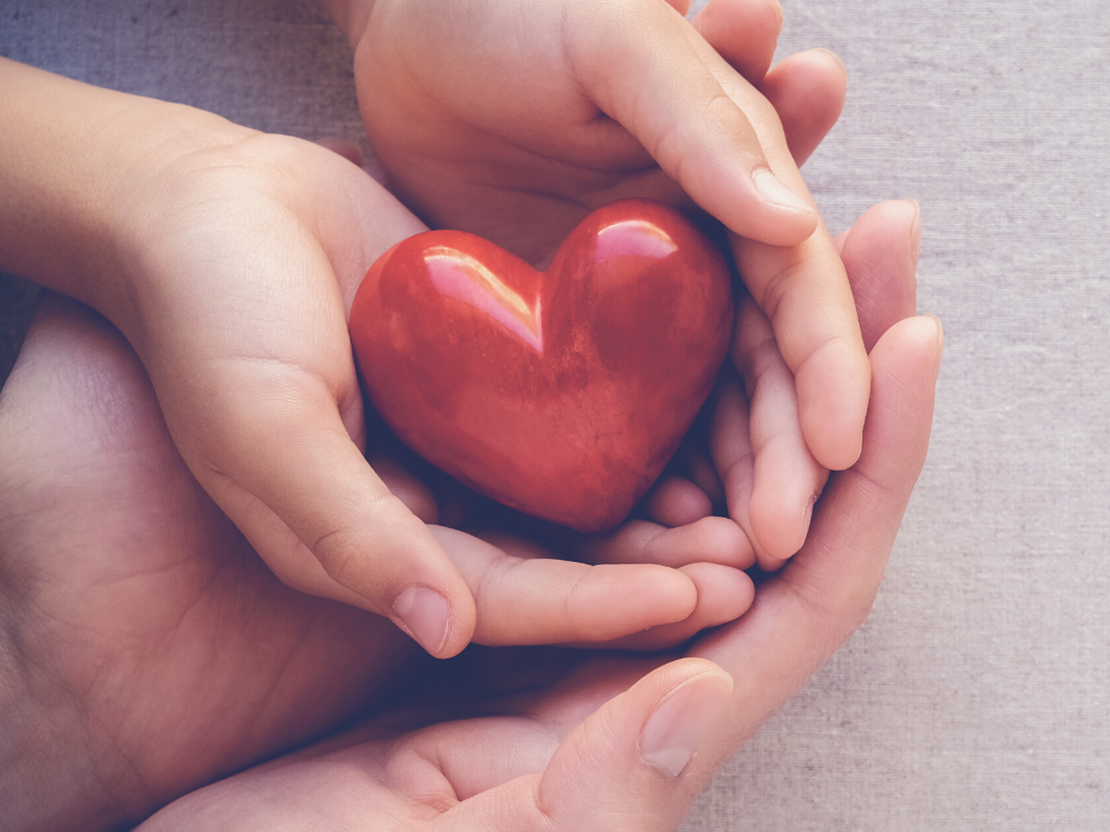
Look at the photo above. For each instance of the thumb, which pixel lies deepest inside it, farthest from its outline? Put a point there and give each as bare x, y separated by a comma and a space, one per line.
289, 476
645, 66
624, 766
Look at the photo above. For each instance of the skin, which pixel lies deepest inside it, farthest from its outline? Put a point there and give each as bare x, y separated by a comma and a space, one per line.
146, 650
126, 204
514, 119
156, 654
228, 260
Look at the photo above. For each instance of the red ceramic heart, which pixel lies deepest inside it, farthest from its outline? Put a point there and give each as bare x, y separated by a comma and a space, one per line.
561, 393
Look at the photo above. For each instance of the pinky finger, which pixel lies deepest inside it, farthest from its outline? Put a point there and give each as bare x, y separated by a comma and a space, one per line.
786, 479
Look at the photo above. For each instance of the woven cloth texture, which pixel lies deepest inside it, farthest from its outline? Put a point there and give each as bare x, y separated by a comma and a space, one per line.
977, 695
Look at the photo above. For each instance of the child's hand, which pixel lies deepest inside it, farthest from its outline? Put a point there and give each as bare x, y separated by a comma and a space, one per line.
513, 119
229, 259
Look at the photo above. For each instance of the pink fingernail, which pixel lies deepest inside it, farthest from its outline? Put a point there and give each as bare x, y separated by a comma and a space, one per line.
424, 613
772, 190
681, 722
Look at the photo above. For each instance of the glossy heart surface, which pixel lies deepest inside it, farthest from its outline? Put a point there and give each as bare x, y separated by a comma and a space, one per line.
560, 393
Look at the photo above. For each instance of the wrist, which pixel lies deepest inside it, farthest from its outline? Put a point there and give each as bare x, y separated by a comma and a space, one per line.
76, 174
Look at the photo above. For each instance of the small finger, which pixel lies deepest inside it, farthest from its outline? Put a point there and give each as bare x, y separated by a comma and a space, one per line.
786, 479
707, 540
807, 90
525, 596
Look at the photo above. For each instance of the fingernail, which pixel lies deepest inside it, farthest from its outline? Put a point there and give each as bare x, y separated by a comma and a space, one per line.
940, 329
423, 612
830, 53
772, 190
683, 719
915, 229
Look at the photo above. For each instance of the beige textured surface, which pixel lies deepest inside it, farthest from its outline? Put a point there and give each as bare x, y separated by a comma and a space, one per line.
977, 697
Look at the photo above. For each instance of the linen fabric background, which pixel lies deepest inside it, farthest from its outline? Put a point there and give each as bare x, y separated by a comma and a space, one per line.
977, 696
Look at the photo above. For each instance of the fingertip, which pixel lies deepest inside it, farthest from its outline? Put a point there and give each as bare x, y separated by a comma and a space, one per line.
775, 214
772, 189
922, 337
808, 91
674, 590
780, 526
835, 443
620, 602
676, 501
425, 615
832, 415
915, 233
717, 540
880, 254
724, 593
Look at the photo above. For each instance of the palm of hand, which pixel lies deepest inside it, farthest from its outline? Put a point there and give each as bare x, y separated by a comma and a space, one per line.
170, 652
441, 761
145, 625
164, 654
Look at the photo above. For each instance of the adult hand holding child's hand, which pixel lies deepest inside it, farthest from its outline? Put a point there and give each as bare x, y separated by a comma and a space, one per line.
147, 650
228, 259
530, 741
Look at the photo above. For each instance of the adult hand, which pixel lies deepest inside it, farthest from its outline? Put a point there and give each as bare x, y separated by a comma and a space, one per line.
596, 749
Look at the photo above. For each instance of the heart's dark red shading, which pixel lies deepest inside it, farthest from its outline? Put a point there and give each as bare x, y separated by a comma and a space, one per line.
561, 393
